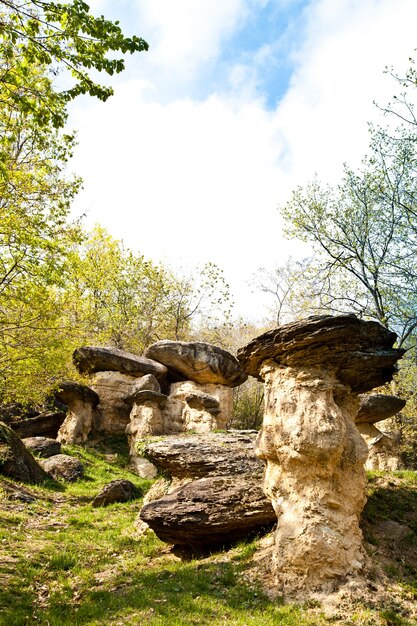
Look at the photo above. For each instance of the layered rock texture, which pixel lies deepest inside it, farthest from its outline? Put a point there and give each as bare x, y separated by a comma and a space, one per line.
382, 450
313, 372
215, 495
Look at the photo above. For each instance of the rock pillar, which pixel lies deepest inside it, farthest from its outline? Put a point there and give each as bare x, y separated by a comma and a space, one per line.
314, 477
313, 372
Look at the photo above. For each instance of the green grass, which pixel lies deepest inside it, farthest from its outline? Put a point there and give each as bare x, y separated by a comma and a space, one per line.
63, 562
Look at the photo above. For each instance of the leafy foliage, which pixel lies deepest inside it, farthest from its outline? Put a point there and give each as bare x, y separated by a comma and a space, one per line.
57, 37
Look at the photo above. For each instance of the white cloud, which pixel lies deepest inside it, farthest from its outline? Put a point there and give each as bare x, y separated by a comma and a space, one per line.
187, 33
194, 181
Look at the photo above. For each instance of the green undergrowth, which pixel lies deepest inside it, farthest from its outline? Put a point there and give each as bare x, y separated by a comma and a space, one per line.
63, 562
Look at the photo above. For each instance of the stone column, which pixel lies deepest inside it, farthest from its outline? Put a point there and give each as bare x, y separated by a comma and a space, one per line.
314, 476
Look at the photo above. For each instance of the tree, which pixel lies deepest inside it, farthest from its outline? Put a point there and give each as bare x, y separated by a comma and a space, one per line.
365, 237
59, 38
35, 199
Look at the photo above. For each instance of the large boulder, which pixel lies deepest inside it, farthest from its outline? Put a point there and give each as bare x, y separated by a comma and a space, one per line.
360, 353
315, 478
16, 461
91, 359
212, 454
197, 361
210, 512
42, 446
215, 494
112, 413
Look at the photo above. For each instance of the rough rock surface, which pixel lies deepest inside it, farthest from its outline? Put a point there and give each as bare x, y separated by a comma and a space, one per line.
16, 461
46, 424
213, 454
383, 453
361, 353
179, 416
315, 477
42, 446
377, 407
91, 359
198, 361
112, 414
82, 403
64, 466
119, 490
145, 383
215, 494
210, 511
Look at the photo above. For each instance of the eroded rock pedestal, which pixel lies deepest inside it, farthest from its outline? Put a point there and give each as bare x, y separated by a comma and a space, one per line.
313, 372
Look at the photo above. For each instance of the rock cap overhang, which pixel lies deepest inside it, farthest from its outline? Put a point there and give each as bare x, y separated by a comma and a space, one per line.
92, 359
361, 352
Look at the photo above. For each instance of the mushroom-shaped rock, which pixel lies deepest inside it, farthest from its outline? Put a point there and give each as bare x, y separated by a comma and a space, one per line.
383, 451
42, 446
360, 353
16, 461
315, 477
209, 512
63, 466
198, 361
377, 407
91, 359
119, 490
145, 420
82, 402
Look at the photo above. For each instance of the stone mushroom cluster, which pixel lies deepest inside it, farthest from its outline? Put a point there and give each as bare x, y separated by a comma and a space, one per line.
314, 371
174, 387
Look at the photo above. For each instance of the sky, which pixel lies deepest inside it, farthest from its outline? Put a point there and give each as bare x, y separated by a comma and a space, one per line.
235, 104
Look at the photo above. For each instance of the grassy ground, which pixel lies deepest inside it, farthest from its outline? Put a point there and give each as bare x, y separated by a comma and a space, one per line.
63, 562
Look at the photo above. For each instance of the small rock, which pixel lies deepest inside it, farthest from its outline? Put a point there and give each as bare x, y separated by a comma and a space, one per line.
42, 446
65, 467
116, 491
393, 531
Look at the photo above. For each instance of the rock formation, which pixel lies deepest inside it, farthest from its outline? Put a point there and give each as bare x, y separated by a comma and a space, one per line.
91, 359
16, 461
201, 362
313, 372
215, 496
82, 403
382, 450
